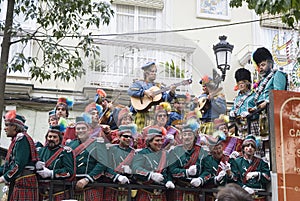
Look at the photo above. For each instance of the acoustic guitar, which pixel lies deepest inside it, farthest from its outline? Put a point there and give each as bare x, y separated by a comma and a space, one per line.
144, 102
204, 102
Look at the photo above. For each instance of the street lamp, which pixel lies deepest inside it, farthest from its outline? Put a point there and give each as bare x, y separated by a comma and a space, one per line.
223, 52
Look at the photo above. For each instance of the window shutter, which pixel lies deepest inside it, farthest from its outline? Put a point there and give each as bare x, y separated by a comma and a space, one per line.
157, 4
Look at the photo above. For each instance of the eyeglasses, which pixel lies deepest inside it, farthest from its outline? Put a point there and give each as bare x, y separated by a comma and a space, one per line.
127, 136
162, 115
251, 145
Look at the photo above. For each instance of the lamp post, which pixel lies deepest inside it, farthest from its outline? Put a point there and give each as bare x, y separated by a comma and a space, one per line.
223, 52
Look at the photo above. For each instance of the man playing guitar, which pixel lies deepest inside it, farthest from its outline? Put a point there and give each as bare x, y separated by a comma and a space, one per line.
211, 103
141, 88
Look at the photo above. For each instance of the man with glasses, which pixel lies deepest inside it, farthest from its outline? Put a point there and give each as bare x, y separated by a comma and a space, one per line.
143, 91
119, 159
250, 172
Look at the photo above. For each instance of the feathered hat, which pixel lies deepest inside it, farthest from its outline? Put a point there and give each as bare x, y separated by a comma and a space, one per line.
222, 120
100, 96
131, 128
64, 102
93, 106
51, 113
59, 128
15, 119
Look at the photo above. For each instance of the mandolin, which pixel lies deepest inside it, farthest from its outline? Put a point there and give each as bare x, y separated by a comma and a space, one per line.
142, 103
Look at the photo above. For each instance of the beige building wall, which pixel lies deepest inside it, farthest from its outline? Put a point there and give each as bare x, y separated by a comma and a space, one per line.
183, 15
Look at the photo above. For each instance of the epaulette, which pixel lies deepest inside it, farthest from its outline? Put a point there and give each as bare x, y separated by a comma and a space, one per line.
19, 136
67, 149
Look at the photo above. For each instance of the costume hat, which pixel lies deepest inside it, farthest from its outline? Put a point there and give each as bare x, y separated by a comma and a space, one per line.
219, 122
82, 119
100, 96
60, 127
14, 118
51, 113
205, 80
262, 54
147, 65
242, 74
93, 106
191, 126
250, 139
153, 132
122, 113
131, 128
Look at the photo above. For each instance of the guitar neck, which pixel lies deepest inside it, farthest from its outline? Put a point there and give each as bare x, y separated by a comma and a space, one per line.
166, 88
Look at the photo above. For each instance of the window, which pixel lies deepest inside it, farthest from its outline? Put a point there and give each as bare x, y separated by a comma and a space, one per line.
135, 19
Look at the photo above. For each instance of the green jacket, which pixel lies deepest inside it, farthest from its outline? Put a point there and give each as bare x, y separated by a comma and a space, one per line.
20, 157
179, 157
240, 167
92, 161
116, 155
63, 165
210, 171
147, 161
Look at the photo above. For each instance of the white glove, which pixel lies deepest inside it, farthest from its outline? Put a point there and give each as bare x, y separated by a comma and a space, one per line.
232, 114
170, 137
251, 175
249, 190
127, 169
123, 179
39, 165
225, 166
220, 176
192, 170
234, 155
157, 177
45, 173
244, 114
170, 184
197, 182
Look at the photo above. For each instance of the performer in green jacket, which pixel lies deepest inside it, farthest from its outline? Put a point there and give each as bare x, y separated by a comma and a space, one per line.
120, 157
185, 163
55, 162
252, 173
19, 166
150, 166
91, 161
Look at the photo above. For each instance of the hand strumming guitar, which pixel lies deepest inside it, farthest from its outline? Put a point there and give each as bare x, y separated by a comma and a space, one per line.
149, 93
